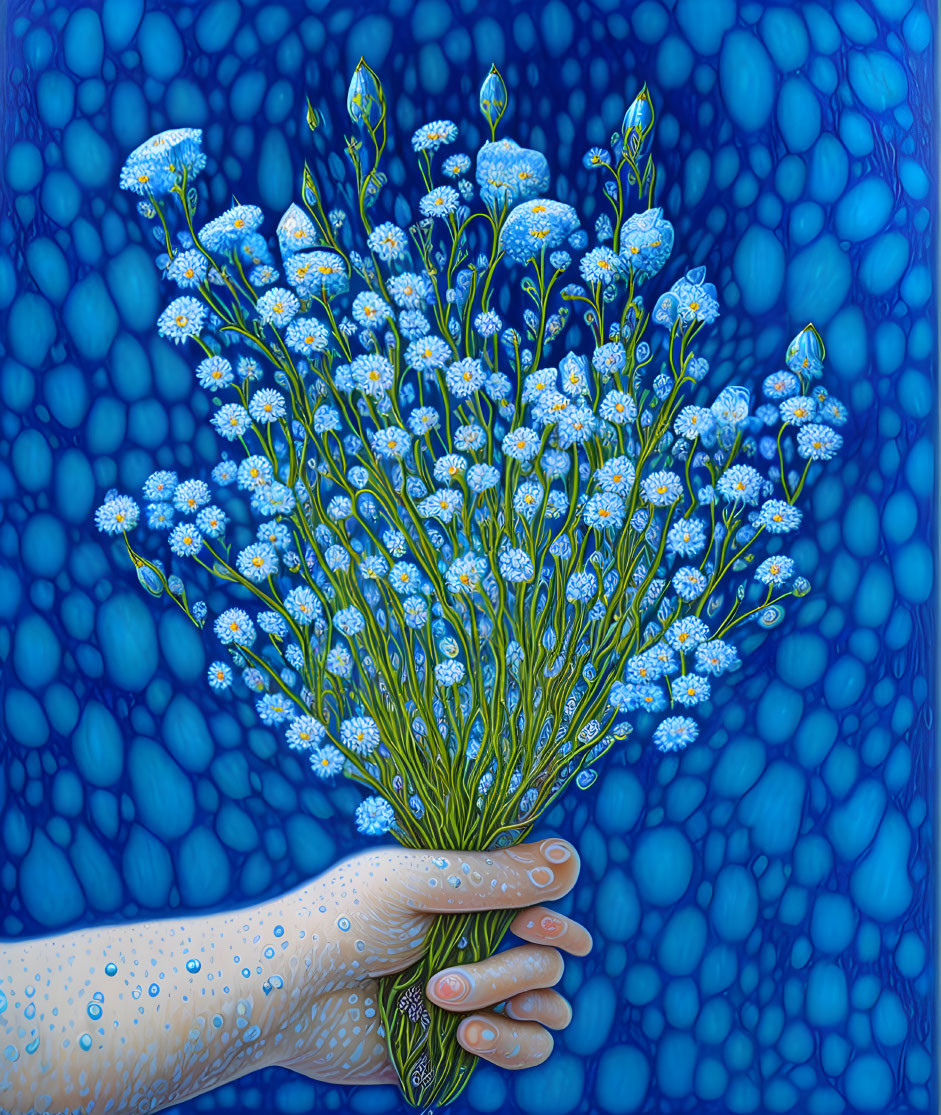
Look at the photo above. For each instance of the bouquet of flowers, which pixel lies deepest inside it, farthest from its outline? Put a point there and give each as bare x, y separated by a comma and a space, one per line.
463, 556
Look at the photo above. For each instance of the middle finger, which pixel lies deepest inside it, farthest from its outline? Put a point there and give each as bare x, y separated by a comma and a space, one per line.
499, 977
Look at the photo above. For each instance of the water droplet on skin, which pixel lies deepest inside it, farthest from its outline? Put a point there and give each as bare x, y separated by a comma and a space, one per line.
12, 1053
246, 972
440, 862
111, 969
193, 966
136, 993
30, 992
343, 923
3, 1002
252, 1033
85, 1042
454, 881
360, 946
93, 1010
266, 987
153, 990
279, 930
30, 1011
276, 982
33, 1045
269, 952
98, 997
217, 1021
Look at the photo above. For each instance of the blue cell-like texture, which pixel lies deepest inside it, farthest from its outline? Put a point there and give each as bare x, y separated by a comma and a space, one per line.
762, 903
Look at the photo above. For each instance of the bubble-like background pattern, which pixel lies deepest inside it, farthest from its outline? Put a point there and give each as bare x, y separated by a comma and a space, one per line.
763, 904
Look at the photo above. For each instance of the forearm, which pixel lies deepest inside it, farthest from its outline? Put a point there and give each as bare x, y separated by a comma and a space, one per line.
142, 1016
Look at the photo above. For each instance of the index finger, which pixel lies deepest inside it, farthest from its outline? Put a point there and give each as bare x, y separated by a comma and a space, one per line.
451, 882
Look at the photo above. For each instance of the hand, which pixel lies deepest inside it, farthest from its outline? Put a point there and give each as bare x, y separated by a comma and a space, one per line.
372, 913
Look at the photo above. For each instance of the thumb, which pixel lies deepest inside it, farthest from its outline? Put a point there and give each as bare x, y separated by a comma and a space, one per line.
450, 882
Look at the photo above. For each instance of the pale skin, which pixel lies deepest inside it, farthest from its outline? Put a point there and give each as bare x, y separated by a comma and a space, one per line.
134, 1018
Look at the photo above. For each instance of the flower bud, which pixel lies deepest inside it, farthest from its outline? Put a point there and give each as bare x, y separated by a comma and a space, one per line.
493, 98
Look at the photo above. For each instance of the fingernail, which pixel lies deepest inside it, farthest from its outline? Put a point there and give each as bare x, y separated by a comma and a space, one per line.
557, 853
478, 1033
541, 876
450, 987
552, 926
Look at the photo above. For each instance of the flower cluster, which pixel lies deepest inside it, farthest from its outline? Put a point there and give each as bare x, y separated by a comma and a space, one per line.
480, 551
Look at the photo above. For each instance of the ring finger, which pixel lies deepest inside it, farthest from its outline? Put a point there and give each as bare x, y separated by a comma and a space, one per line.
506, 1042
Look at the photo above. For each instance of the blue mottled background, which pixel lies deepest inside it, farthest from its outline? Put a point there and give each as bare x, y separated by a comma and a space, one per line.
763, 905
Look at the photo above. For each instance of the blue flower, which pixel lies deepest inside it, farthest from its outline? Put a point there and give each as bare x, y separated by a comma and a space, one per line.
189, 496
263, 275
277, 307
214, 373
675, 733
662, 488
257, 562
159, 516
693, 422
429, 137
391, 442
154, 167
388, 241
234, 627
690, 690
488, 324
307, 336
416, 611
423, 420
160, 486
690, 300
516, 566
184, 317
527, 499
373, 374
413, 324
616, 475
450, 672
464, 377
317, 275
296, 231
686, 634
507, 173
427, 354
339, 662
646, 242
596, 157
210, 521
230, 228
600, 265
455, 165
185, 540
604, 511
582, 587
444, 504
274, 708
775, 571
831, 411
818, 443
449, 468
302, 605
255, 473
715, 657
360, 734
740, 484
464, 575
220, 675
304, 733
188, 269
409, 291
440, 202
117, 515
573, 370
536, 227
575, 425
272, 623
470, 438
686, 537
326, 761
374, 816
689, 583
618, 408
267, 406
481, 478
798, 410
404, 578
225, 472
350, 621
806, 352
781, 385
608, 359
326, 418
778, 517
